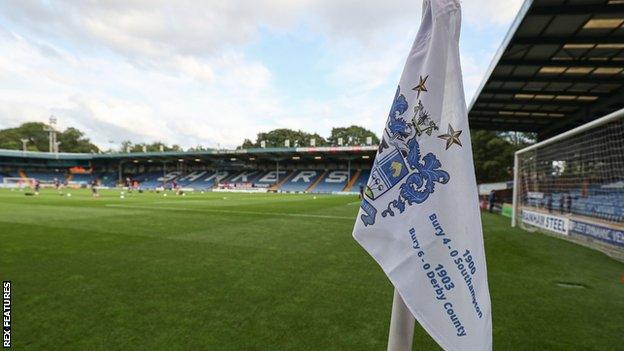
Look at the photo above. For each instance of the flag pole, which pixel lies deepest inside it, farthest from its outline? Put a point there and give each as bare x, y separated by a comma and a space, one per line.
401, 326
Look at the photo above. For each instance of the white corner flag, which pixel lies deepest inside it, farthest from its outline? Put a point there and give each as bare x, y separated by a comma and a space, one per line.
419, 217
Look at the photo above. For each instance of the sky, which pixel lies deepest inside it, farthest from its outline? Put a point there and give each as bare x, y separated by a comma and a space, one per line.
213, 73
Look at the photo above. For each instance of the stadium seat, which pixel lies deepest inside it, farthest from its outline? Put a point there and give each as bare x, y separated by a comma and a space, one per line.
300, 181
333, 181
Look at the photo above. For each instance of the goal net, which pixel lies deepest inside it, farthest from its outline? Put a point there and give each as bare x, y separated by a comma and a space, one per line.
573, 184
16, 182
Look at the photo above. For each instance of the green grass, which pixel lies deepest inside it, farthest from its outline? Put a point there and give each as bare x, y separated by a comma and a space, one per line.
264, 272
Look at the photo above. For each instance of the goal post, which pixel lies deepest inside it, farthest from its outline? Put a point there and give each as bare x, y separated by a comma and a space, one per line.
573, 184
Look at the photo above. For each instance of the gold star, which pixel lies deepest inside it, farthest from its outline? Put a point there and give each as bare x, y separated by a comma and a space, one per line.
421, 86
451, 137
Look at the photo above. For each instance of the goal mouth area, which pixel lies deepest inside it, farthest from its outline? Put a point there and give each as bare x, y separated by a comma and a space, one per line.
29, 182
17, 182
572, 185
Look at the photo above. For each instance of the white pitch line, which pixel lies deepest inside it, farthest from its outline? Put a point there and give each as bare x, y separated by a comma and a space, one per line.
184, 201
234, 211
200, 201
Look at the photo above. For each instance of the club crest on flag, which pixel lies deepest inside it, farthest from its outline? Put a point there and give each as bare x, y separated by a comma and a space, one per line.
419, 217
399, 161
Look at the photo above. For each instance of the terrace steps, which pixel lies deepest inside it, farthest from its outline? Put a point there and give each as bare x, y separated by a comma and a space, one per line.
352, 181
316, 182
283, 181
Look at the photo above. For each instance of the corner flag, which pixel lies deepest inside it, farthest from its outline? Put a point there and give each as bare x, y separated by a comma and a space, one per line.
419, 217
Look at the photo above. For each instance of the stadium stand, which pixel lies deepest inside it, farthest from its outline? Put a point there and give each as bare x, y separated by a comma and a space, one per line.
558, 74
271, 178
559, 67
246, 176
360, 180
193, 179
81, 178
108, 179
45, 176
599, 201
332, 181
154, 179
214, 178
314, 181
301, 180
317, 170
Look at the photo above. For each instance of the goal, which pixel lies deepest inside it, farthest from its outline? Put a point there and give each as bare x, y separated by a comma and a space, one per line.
573, 184
16, 182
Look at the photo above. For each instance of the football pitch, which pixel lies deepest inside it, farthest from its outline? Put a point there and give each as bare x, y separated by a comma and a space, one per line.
223, 271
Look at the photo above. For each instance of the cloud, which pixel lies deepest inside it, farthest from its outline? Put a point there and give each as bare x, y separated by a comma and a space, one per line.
179, 71
149, 28
184, 99
488, 13
158, 28
363, 19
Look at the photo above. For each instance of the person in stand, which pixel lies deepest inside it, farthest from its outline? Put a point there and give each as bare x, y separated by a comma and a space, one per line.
491, 200
361, 191
562, 201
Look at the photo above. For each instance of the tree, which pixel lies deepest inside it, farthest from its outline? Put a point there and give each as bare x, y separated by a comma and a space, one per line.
153, 147
319, 140
72, 139
277, 138
199, 148
126, 146
494, 154
519, 138
139, 147
33, 131
247, 144
353, 135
